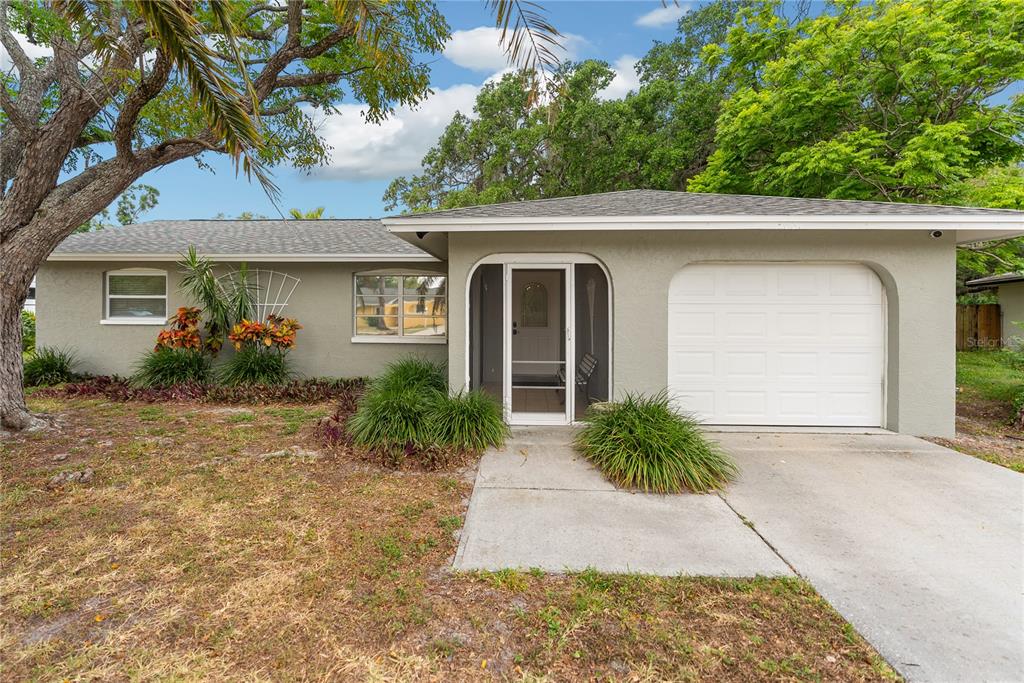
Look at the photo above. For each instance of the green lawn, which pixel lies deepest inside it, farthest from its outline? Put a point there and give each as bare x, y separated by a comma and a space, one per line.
990, 375
987, 383
196, 552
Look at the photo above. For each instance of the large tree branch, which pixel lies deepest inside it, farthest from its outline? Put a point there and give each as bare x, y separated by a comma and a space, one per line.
148, 88
314, 78
16, 116
26, 68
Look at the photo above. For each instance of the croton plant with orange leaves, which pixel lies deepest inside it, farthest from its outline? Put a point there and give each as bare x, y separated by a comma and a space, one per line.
276, 333
184, 332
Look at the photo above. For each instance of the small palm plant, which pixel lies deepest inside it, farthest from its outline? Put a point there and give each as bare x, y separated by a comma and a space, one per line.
226, 301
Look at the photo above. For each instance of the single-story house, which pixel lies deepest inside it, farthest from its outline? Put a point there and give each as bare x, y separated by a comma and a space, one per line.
1009, 287
749, 310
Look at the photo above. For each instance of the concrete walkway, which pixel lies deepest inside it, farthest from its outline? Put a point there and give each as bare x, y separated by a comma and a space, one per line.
538, 504
919, 547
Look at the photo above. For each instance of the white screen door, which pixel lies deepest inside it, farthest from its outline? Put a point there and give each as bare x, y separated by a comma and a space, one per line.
538, 321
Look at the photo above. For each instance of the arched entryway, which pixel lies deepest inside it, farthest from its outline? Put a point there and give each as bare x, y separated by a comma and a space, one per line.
540, 334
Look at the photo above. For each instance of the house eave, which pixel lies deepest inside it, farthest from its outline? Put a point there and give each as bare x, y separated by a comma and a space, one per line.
968, 228
234, 258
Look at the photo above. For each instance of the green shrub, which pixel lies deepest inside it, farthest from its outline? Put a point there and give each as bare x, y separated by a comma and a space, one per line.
467, 421
643, 442
47, 366
168, 367
392, 417
407, 414
414, 373
252, 365
28, 331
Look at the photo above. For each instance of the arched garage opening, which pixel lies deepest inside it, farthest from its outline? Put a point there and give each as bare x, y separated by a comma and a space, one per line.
779, 343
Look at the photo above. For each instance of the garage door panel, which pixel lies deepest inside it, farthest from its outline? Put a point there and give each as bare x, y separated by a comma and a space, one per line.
806, 349
741, 324
799, 405
798, 365
862, 365
695, 364
746, 364
853, 282
800, 284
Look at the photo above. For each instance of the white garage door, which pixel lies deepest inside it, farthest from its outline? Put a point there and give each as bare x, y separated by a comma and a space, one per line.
777, 343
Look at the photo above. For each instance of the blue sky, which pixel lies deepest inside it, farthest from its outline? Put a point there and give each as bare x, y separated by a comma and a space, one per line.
366, 158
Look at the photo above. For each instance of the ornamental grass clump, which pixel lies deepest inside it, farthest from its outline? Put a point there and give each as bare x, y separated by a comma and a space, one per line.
251, 365
469, 421
261, 350
49, 366
642, 442
407, 414
415, 373
391, 418
178, 356
169, 366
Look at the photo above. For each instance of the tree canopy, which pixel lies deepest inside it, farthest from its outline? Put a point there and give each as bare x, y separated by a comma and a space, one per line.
892, 100
572, 139
130, 86
889, 100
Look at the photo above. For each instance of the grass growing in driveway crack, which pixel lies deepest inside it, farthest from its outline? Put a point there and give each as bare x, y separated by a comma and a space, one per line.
186, 558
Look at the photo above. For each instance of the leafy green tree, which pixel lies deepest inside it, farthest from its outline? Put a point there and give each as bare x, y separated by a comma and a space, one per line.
889, 100
574, 141
135, 85
135, 201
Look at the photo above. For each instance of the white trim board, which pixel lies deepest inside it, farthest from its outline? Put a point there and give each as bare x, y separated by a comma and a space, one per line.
895, 221
968, 228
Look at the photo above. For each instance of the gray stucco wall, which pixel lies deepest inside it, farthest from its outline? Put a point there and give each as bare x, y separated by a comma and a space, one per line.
916, 270
1011, 308
70, 307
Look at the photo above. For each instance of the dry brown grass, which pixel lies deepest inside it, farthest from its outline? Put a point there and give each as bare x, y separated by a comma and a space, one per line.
189, 557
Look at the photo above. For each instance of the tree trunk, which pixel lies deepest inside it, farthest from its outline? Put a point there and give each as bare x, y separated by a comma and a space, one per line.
13, 411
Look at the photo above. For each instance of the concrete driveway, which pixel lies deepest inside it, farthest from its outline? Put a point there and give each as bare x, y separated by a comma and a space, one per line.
919, 547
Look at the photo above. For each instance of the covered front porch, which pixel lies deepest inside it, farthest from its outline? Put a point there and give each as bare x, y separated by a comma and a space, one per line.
539, 335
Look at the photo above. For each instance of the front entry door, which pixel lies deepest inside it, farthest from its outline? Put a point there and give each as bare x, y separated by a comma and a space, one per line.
538, 320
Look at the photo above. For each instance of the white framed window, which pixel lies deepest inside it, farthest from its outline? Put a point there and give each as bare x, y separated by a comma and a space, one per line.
406, 306
135, 296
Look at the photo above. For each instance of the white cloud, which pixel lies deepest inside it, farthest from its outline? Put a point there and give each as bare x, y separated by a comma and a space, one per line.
365, 151
663, 16
480, 48
33, 52
625, 79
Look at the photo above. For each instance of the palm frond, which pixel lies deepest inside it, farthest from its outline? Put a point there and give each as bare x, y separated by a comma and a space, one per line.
531, 42
178, 33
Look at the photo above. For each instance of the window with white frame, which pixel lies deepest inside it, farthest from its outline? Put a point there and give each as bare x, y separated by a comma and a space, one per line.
412, 306
137, 294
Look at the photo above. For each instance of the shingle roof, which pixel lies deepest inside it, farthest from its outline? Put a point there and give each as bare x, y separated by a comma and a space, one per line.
354, 237
993, 280
666, 203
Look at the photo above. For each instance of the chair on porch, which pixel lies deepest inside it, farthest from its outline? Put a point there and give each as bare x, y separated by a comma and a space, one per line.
584, 371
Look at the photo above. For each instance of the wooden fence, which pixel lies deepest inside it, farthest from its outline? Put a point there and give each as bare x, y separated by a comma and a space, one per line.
978, 327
